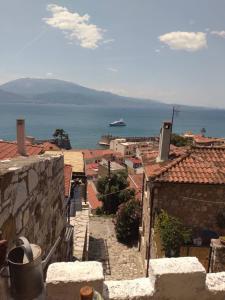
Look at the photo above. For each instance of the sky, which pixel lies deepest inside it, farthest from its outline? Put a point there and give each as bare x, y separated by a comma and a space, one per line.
172, 51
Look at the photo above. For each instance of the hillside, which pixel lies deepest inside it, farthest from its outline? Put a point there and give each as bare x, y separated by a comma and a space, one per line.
47, 91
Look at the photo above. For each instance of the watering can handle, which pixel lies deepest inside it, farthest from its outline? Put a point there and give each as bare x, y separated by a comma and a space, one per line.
27, 248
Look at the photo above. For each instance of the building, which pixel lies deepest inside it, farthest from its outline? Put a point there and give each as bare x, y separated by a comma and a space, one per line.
103, 168
202, 141
190, 186
93, 200
136, 183
134, 164
92, 171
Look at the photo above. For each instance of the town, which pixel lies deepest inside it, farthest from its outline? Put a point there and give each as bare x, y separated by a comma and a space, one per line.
141, 218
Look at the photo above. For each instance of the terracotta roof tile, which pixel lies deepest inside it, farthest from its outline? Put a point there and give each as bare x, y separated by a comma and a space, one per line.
199, 165
135, 181
92, 197
9, 150
47, 146
98, 153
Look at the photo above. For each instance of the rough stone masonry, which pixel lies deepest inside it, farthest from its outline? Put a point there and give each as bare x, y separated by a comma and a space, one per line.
32, 199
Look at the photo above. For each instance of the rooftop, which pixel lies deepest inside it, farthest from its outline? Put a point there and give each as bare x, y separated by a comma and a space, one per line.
92, 196
47, 146
198, 165
9, 150
97, 153
91, 169
73, 158
135, 181
113, 165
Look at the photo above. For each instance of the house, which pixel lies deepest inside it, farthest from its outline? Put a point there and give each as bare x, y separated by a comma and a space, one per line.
96, 155
79, 180
136, 183
93, 200
92, 171
202, 141
103, 167
134, 164
190, 186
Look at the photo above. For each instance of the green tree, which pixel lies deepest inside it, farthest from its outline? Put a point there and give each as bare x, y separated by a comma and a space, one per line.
179, 141
172, 232
127, 221
113, 191
61, 138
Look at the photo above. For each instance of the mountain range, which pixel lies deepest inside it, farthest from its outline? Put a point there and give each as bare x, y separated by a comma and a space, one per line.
54, 91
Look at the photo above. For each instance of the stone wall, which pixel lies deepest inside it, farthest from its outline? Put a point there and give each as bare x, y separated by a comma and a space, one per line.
189, 203
196, 205
217, 261
32, 200
169, 279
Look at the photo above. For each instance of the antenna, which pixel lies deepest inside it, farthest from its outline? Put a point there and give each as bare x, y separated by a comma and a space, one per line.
175, 111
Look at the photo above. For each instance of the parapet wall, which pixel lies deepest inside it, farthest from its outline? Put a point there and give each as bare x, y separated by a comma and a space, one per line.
32, 199
182, 278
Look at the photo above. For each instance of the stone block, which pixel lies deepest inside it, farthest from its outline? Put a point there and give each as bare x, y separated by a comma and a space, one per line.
177, 278
32, 180
19, 222
21, 196
137, 289
215, 286
64, 280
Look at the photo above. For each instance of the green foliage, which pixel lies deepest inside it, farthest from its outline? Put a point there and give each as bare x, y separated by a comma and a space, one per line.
173, 233
179, 141
99, 211
113, 191
61, 138
127, 221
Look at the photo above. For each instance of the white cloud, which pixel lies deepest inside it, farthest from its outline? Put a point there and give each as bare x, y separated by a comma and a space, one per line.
75, 27
112, 70
188, 41
108, 41
219, 33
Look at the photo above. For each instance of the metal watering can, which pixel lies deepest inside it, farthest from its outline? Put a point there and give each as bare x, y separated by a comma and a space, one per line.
25, 268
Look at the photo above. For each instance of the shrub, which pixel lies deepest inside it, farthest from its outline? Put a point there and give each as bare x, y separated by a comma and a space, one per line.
173, 233
99, 211
127, 221
114, 191
179, 141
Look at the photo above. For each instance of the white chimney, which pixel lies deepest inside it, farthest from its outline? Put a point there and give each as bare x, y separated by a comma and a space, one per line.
164, 142
21, 146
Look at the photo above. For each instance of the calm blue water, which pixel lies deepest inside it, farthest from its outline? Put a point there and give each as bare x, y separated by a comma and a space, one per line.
85, 125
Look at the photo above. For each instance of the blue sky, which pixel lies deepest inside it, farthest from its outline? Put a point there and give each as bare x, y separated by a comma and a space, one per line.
172, 51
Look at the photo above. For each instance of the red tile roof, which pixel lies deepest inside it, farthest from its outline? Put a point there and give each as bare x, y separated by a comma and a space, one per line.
92, 197
136, 181
67, 179
134, 160
9, 150
198, 165
98, 153
91, 169
47, 146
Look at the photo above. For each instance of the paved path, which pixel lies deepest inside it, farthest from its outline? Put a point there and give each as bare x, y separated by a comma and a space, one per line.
119, 261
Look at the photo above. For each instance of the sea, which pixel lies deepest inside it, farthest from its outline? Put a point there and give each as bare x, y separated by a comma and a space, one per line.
85, 125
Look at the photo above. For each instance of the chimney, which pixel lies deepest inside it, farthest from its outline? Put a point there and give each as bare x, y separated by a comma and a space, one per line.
164, 142
21, 137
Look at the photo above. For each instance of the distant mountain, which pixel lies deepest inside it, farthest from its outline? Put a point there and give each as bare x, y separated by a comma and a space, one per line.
11, 97
47, 91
